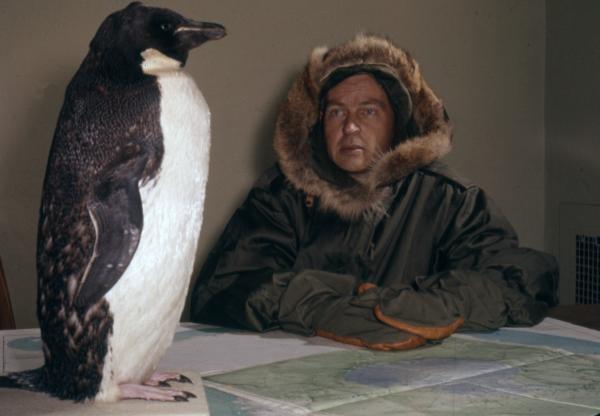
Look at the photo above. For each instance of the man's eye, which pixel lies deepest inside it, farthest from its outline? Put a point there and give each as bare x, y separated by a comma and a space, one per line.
369, 111
333, 113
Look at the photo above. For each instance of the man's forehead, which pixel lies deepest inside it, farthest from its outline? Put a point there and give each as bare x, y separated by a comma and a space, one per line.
361, 88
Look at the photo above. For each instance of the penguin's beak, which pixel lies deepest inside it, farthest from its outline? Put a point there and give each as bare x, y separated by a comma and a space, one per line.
192, 34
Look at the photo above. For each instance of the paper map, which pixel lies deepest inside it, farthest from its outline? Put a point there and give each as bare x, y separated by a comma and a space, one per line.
543, 370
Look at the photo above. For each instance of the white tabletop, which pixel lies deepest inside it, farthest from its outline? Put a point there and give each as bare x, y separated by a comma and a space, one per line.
552, 368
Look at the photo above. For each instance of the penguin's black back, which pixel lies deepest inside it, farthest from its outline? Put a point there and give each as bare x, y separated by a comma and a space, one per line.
106, 127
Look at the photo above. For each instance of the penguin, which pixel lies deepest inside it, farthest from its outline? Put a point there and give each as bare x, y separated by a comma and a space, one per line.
121, 210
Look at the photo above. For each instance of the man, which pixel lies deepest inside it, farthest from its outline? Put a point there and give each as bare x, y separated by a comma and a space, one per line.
359, 233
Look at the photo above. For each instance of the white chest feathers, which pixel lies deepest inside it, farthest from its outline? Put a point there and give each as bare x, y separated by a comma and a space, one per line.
148, 299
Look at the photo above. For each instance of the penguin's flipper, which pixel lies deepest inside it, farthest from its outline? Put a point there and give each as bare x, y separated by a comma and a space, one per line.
116, 212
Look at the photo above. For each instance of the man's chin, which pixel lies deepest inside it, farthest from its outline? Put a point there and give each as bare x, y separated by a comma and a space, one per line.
353, 167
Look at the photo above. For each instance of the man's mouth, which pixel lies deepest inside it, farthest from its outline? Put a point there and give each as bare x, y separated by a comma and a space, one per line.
351, 148
352, 144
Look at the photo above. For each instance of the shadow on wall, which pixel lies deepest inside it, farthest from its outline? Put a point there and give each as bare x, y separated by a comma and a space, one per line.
25, 164
264, 155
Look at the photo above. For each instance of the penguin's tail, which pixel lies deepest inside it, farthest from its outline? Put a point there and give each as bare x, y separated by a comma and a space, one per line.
26, 380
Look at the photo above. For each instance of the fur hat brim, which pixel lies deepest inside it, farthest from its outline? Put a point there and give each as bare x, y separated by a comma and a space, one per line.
300, 112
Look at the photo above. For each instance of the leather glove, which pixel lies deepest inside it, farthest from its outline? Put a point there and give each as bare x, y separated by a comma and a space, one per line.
425, 314
325, 304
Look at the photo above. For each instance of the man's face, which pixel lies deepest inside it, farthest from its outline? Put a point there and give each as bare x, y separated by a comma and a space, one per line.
358, 122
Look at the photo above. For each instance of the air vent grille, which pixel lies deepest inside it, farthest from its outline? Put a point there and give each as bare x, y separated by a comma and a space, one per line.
587, 269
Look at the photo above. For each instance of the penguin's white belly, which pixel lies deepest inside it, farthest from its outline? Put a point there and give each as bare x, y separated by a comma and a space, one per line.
148, 299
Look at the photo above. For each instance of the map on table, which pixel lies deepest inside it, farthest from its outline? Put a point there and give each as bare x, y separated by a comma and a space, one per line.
510, 371
463, 376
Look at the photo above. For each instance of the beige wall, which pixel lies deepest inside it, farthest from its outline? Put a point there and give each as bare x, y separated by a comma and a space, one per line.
484, 58
572, 109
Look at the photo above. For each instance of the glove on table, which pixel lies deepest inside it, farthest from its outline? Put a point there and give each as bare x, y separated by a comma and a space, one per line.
425, 314
325, 304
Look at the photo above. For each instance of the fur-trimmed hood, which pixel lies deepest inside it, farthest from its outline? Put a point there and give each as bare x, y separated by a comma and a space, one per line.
300, 113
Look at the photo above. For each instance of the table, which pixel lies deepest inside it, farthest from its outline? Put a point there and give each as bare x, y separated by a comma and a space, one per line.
584, 315
552, 369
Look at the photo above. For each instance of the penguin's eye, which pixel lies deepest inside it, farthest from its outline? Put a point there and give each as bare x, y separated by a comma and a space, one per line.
166, 27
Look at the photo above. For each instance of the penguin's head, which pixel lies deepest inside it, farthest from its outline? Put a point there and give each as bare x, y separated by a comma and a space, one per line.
151, 37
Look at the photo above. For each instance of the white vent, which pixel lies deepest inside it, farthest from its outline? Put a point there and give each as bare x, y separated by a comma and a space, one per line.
579, 255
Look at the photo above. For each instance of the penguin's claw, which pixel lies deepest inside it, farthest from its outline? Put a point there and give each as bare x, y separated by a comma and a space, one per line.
160, 379
188, 394
184, 379
139, 391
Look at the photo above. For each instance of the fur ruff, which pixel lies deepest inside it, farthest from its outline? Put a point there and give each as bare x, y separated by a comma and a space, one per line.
300, 112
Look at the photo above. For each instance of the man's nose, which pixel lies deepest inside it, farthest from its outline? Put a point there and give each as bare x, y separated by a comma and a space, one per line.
351, 125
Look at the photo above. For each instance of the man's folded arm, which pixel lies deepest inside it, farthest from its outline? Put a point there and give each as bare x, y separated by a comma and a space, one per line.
480, 275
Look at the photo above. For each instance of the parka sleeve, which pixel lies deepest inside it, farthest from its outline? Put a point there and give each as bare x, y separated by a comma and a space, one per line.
480, 274
244, 275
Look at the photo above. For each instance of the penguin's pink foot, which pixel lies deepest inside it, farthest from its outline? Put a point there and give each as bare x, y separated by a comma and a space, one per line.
139, 391
161, 378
